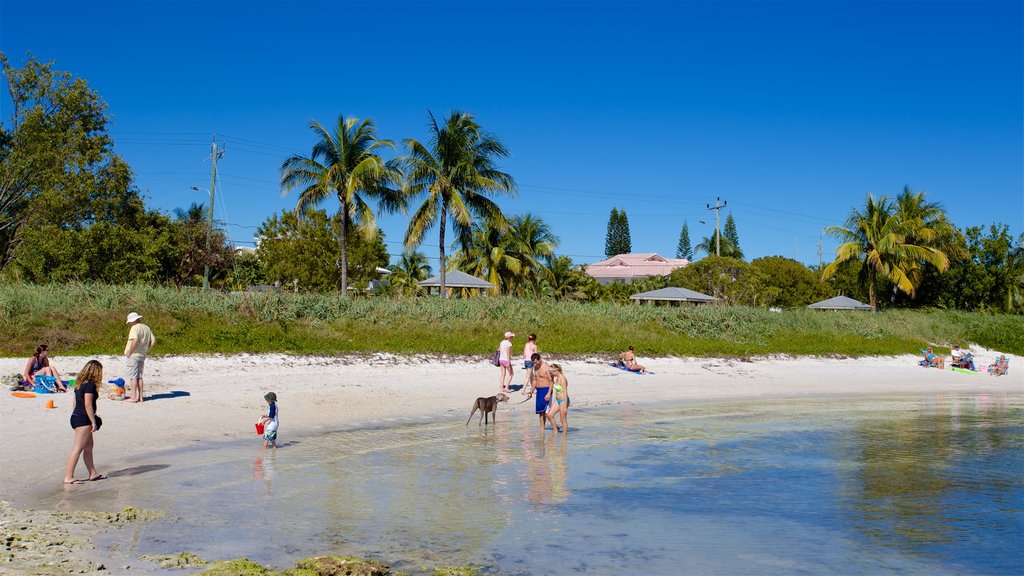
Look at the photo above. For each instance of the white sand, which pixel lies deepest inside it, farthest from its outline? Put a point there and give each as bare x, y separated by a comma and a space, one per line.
225, 396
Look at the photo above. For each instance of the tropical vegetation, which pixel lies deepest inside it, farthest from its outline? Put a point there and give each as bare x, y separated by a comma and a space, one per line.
71, 212
456, 173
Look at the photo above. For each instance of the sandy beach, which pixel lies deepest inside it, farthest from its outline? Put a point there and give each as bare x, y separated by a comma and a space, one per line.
192, 400
195, 401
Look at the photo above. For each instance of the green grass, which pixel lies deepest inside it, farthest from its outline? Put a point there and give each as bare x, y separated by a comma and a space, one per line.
89, 319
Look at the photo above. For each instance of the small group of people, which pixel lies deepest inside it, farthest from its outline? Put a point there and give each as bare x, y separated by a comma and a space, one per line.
960, 358
547, 381
84, 419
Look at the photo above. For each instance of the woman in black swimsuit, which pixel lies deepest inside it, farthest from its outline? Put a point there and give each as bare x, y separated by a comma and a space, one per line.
84, 421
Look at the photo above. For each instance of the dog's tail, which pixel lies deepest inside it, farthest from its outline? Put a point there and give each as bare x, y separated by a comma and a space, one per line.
475, 406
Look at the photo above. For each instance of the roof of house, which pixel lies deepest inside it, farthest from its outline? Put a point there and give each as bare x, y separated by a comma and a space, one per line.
674, 294
457, 279
635, 266
840, 303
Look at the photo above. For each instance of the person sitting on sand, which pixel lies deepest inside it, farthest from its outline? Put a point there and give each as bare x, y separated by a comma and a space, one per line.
962, 358
629, 361
1000, 366
931, 360
39, 364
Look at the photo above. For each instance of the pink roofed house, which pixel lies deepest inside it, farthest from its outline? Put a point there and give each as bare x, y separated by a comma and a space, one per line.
627, 267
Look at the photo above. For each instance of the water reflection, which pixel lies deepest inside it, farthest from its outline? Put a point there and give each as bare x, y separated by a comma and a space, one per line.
925, 485
936, 479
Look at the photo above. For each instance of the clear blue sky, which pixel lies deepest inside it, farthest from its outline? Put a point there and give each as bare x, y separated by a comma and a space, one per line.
791, 112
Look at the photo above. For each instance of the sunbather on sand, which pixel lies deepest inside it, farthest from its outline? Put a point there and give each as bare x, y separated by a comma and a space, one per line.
629, 360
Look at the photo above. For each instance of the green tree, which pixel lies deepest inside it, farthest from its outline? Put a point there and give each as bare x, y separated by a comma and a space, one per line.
717, 242
879, 237
531, 241
456, 173
345, 163
306, 251
566, 281
731, 280
249, 271
617, 239
786, 283
734, 238
611, 237
683, 249
57, 166
412, 268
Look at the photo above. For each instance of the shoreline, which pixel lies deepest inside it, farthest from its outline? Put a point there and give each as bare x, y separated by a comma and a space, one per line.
208, 402
195, 399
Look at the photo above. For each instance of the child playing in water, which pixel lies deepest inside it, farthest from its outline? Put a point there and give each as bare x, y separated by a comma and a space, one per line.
270, 422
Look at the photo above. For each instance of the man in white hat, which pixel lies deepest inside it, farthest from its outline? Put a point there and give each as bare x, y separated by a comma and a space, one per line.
140, 342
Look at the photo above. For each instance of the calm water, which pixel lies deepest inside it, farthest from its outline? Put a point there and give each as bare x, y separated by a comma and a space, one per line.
921, 485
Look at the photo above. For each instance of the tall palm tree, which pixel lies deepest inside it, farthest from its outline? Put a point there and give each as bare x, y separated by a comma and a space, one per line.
879, 237
530, 239
457, 173
345, 163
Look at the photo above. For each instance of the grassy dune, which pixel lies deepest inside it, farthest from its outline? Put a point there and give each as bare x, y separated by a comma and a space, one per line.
89, 319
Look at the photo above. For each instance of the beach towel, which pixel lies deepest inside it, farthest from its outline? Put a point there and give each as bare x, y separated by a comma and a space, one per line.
964, 371
624, 369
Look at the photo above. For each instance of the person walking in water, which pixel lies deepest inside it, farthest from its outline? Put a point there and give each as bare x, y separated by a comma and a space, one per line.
540, 381
140, 342
505, 362
528, 351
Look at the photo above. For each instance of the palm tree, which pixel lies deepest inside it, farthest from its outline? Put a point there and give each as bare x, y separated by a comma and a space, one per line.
880, 237
724, 246
487, 255
532, 242
412, 268
194, 214
457, 173
345, 163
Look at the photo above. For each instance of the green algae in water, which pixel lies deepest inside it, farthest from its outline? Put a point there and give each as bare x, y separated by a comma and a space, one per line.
182, 560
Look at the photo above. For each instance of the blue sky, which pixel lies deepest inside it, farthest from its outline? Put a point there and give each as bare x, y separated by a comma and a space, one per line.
790, 112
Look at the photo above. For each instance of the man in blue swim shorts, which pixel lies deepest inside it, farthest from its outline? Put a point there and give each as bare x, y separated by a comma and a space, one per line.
540, 381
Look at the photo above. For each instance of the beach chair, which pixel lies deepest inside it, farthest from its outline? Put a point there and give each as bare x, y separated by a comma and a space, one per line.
44, 384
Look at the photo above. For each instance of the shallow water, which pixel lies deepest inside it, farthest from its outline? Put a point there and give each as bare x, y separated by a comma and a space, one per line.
867, 485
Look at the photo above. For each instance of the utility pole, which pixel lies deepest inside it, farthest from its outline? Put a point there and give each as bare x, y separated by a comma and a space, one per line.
717, 208
213, 185
819, 255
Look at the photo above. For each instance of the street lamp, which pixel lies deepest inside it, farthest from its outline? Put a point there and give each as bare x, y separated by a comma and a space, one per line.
206, 268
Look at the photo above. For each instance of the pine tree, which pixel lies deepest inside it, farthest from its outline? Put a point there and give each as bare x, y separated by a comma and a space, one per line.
625, 240
734, 238
610, 238
684, 250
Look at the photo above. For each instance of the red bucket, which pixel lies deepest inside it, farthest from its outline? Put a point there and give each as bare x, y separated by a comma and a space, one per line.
259, 428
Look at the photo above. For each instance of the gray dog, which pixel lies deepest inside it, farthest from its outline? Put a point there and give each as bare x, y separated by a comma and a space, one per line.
486, 406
